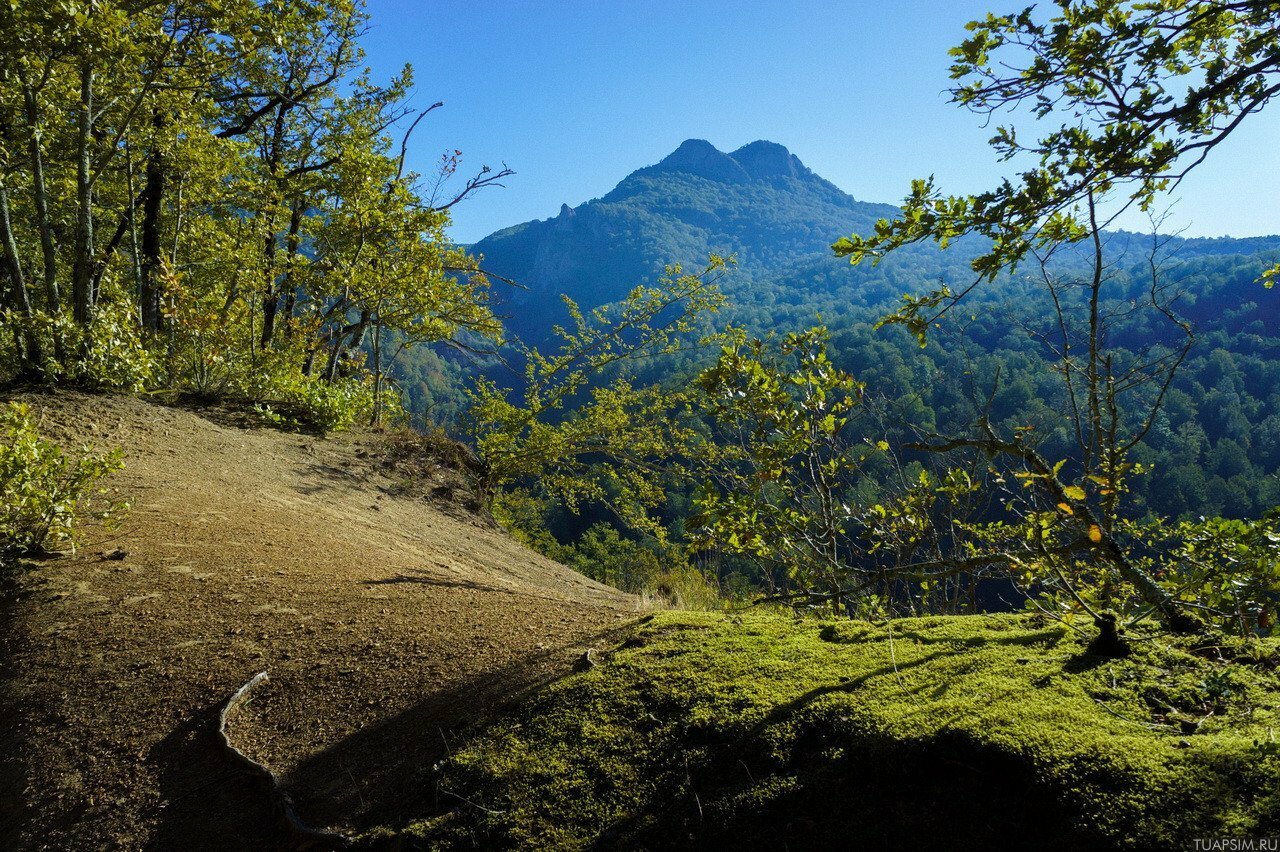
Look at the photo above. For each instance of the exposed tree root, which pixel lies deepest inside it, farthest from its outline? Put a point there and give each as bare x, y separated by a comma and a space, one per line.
297, 835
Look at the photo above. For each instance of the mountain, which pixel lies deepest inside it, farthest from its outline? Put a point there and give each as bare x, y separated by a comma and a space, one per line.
758, 203
778, 219
1215, 449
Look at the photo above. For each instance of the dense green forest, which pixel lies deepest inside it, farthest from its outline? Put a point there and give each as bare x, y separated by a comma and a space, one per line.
947, 523
211, 198
1033, 333
1214, 450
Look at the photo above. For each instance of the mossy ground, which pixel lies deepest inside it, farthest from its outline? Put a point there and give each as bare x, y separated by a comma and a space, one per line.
762, 731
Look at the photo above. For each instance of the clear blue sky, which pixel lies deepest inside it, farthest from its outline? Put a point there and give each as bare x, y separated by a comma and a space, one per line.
574, 95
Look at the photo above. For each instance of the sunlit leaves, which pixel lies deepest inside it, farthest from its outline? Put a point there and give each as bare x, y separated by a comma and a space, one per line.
781, 495
581, 439
1142, 92
253, 231
45, 494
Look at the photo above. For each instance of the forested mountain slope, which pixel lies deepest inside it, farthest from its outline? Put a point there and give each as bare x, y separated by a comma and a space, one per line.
778, 218
1214, 450
759, 204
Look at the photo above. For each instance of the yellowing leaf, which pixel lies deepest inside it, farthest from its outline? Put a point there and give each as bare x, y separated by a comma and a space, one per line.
1075, 492
1095, 533
1067, 510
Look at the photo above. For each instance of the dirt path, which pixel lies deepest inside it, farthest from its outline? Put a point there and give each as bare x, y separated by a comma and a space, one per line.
384, 623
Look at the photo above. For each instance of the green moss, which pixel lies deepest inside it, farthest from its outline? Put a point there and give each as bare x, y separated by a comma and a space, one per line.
971, 732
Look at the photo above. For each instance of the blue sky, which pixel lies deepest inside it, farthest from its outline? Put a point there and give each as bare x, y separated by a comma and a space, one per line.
574, 95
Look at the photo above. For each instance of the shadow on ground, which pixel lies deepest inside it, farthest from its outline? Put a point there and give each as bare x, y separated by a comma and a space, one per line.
13, 780
208, 800
382, 774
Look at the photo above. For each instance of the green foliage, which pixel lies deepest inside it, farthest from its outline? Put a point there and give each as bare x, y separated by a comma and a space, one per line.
46, 495
603, 554
210, 199
780, 492
659, 572
760, 731
1145, 90
524, 515
904, 522
1230, 568
112, 352
108, 353
1117, 72
328, 406
580, 438
786, 276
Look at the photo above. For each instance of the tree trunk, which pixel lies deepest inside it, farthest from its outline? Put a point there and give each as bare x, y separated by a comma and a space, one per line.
44, 224
153, 199
377, 372
270, 296
30, 353
357, 332
270, 291
290, 286
83, 295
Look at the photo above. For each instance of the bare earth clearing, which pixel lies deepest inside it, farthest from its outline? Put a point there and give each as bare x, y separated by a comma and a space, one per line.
384, 622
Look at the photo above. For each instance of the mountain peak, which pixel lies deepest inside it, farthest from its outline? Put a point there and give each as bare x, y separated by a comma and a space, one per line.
695, 147
699, 157
763, 160
759, 203
759, 160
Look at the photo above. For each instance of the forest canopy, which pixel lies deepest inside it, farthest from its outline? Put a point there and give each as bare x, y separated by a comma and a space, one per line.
211, 197
1047, 437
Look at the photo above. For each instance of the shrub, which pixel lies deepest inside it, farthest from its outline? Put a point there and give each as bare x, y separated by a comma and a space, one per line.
45, 493
1229, 569
112, 352
308, 403
108, 353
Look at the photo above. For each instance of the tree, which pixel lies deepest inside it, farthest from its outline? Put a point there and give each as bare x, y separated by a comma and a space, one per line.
208, 196
581, 429
1113, 69
1146, 91
781, 492
387, 266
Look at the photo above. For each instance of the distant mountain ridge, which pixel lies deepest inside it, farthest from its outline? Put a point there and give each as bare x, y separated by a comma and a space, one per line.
1214, 449
759, 160
778, 218
759, 203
